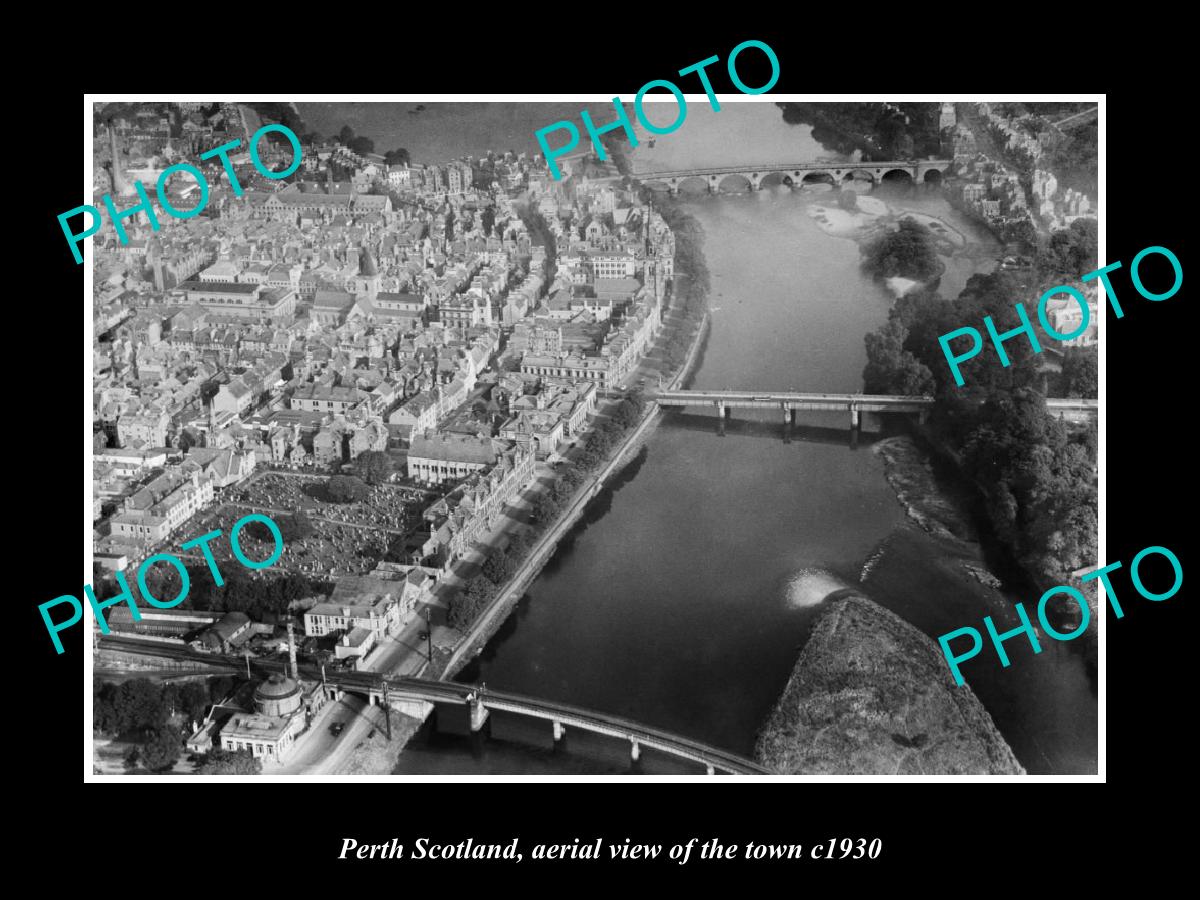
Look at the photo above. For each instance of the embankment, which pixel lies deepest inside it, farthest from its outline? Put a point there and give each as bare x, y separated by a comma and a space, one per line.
506, 598
871, 694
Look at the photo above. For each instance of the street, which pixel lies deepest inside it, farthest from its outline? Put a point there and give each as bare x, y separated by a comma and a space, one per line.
317, 752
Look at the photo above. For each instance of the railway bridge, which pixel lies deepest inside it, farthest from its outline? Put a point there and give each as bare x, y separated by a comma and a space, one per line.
473, 702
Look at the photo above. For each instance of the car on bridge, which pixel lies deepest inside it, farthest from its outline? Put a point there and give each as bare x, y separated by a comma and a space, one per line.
337, 728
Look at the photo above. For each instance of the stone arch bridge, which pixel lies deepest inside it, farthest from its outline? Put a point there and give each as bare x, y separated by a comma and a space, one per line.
930, 171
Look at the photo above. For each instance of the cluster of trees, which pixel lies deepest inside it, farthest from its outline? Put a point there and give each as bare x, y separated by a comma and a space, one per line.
263, 599
374, 466
879, 132
1073, 157
1080, 373
1070, 252
293, 527
142, 711
691, 279
501, 564
364, 145
360, 145
286, 116
910, 252
540, 235
229, 762
1038, 479
470, 602
347, 488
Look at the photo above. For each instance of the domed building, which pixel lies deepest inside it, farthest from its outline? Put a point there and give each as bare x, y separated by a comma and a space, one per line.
277, 696
283, 707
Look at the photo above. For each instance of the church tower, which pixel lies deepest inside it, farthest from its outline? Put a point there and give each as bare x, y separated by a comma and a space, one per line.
368, 272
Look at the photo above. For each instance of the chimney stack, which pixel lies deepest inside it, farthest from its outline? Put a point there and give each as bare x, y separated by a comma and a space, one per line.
292, 653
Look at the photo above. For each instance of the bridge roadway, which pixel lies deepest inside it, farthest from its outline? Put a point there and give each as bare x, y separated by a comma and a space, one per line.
917, 169
561, 715
789, 401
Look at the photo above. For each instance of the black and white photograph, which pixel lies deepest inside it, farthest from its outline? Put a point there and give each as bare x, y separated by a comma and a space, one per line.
715, 434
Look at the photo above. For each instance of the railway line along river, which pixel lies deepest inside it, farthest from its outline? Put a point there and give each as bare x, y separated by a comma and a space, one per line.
680, 599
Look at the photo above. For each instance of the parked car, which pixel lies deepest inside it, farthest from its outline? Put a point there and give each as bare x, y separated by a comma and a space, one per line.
337, 728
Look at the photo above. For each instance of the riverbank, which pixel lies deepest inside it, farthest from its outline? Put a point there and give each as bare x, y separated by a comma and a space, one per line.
925, 495
871, 695
685, 305
909, 472
377, 755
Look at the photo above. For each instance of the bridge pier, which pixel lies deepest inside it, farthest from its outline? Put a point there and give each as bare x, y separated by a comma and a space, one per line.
558, 731
789, 422
479, 714
855, 427
635, 749
723, 413
709, 770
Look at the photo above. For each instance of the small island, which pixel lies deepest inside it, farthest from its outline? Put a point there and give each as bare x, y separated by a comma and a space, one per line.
871, 694
909, 253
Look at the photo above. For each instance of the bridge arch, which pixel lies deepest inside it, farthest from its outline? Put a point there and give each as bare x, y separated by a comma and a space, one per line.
656, 184
819, 177
734, 181
692, 184
861, 177
771, 179
933, 176
896, 176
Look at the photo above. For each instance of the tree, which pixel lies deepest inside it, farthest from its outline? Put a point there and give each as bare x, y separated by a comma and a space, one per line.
294, 527
1080, 372
890, 368
1071, 251
498, 567
193, 700
220, 687
397, 157
346, 489
519, 545
137, 706
908, 252
362, 145
470, 602
229, 762
374, 466
161, 751
346, 135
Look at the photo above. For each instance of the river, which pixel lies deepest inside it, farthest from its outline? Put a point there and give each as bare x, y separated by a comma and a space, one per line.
675, 601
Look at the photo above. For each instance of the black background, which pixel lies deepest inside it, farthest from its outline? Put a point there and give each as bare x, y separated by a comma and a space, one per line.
958, 836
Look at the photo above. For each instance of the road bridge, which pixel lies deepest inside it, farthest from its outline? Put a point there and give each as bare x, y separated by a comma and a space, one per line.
476, 702
788, 402
911, 171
